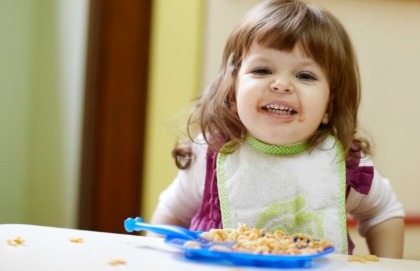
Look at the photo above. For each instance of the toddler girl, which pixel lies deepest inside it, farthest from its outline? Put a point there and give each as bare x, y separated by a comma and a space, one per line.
275, 142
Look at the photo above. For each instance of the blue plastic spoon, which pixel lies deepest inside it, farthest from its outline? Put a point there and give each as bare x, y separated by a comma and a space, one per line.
170, 231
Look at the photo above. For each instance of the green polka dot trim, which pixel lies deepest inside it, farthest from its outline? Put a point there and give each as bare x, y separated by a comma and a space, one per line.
342, 197
276, 149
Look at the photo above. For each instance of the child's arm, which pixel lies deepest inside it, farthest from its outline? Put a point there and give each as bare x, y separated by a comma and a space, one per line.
387, 238
162, 217
380, 215
179, 202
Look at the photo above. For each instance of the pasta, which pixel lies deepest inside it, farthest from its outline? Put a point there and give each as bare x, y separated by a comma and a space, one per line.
76, 240
116, 262
18, 241
253, 240
363, 259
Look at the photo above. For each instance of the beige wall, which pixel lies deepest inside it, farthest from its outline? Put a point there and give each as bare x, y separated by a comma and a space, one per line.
386, 37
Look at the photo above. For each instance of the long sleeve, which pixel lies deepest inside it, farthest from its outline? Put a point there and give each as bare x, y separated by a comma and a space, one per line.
182, 198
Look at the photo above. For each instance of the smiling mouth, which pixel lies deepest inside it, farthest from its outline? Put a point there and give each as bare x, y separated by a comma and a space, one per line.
279, 109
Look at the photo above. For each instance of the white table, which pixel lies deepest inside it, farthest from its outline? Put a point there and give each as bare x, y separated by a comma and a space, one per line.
49, 248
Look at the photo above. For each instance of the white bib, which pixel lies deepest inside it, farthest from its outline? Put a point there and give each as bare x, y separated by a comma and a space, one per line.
285, 187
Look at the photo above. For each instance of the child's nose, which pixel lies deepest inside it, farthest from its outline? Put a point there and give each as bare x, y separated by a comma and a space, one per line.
281, 86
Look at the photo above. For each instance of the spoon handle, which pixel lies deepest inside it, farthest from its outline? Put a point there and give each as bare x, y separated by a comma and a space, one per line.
137, 224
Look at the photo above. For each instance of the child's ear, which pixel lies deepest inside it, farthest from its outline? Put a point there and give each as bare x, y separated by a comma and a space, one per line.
328, 113
325, 118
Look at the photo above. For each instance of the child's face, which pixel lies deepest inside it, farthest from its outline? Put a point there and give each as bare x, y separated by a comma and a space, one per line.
281, 97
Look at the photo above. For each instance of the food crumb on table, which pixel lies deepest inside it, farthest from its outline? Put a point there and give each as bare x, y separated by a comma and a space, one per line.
18, 241
363, 259
116, 262
76, 240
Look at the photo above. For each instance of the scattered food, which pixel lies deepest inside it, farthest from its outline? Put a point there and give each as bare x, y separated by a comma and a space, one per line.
18, 241
76, 240
117, 262
363, 259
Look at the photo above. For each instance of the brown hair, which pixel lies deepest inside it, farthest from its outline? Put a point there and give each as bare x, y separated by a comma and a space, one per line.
282, 25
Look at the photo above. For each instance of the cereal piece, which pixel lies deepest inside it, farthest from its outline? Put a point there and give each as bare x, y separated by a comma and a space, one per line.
18, 241
76, 240
117, 262
363, 259
192, 244
253, 240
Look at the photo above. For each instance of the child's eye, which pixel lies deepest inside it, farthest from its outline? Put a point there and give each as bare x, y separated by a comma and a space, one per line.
306, 76
261, 71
